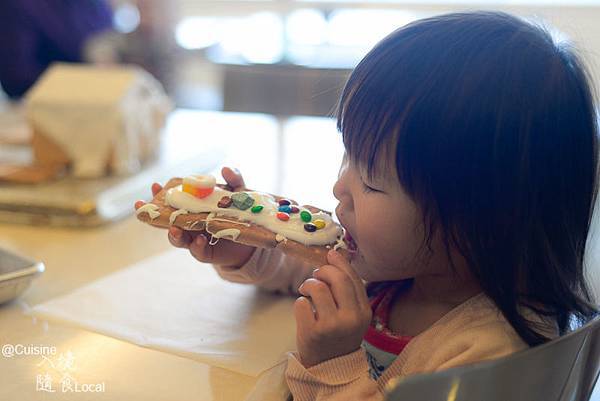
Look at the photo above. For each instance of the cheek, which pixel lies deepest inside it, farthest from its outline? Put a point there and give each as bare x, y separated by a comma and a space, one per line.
388, 241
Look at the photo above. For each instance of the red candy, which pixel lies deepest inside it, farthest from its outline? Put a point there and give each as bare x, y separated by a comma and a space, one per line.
283, 216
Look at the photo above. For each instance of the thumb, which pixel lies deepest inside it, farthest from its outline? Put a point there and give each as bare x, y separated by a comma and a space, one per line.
233, 178
335, 258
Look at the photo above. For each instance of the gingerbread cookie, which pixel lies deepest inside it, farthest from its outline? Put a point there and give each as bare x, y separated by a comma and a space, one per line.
197, 203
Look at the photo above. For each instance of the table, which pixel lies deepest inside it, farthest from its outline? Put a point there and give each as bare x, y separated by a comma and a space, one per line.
75, 257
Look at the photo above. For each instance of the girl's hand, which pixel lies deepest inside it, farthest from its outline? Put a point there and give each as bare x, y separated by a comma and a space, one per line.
224, 253
333, 314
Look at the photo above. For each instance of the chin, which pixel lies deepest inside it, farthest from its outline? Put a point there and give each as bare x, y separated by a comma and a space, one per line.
361, 268
373, 272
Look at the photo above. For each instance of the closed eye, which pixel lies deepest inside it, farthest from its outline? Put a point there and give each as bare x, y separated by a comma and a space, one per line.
367, 189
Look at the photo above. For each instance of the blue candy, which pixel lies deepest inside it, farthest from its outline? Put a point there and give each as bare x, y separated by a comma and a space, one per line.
285, 209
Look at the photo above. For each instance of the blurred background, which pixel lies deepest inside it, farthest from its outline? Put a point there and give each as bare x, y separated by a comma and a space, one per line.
289, 57
292, 57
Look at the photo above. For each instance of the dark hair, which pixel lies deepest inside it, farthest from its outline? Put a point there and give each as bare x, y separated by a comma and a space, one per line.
492, 125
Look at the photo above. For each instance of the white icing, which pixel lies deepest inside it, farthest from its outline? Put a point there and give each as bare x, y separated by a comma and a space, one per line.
211, 217
176, 213
232, 233
149, 208
340, 244
292, 229
280, 238
194, 224
200, 181
213, 241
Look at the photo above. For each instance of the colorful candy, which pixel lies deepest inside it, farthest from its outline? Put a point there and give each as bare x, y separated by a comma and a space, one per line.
285, 209
294, 209
284, 202
257, 208
283, 216
199, 186
310, 227
319, 223
242, 200
306, 216
225, 202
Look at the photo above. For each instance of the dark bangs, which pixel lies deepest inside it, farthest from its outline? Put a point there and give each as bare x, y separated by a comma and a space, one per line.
379, 90
491, 127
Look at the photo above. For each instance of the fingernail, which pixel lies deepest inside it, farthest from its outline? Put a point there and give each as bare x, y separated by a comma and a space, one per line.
235, 170
315, 272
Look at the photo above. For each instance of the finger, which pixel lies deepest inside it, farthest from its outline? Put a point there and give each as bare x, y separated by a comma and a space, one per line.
224, 253
233, 178
229, 253
180, 238
336, 259
303, 312
342, 287
139, 204
320, 296
200, 249
156, 188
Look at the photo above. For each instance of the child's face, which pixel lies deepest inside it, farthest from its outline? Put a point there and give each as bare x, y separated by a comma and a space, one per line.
384, 224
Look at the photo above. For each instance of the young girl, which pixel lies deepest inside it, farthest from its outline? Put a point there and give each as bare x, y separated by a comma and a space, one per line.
467, 186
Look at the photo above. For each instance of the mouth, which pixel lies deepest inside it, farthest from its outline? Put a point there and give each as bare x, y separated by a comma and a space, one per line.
350, 243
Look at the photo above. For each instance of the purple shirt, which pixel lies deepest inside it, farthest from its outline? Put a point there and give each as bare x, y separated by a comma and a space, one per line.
35, 33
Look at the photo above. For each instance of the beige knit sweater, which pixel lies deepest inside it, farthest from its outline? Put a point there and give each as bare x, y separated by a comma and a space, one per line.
473, 331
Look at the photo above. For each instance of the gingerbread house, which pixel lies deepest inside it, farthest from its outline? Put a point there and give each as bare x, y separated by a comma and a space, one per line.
95, 120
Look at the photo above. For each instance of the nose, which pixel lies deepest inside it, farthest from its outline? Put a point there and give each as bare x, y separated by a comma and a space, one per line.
341, 191
338, 186
337, 189
342, 194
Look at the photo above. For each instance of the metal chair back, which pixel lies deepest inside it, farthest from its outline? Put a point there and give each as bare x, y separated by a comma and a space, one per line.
565, 369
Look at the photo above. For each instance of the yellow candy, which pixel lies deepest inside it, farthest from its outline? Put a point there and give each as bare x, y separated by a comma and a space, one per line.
319, 223
189, 189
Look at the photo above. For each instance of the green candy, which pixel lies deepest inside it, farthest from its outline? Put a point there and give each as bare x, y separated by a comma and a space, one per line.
242, 200
306, 216
257, 208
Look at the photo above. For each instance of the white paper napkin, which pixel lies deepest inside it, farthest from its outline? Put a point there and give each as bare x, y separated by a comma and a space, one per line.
174, 303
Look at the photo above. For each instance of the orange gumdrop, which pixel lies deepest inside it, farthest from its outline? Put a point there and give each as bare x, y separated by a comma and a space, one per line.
203, 192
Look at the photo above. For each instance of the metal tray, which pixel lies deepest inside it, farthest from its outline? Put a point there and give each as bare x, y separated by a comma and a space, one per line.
16, 274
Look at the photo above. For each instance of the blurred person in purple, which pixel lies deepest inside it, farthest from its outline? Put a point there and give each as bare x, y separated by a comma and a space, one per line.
36, 33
